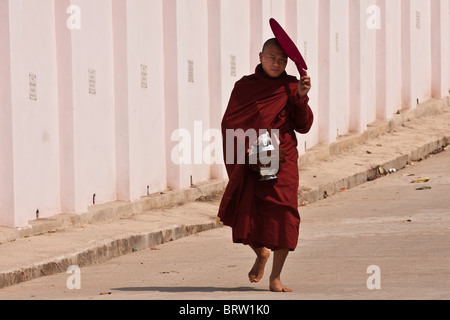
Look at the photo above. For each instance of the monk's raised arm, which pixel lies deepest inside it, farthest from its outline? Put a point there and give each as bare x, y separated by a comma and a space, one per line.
302, 117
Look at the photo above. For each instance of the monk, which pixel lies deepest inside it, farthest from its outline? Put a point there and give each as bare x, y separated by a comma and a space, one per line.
264, 214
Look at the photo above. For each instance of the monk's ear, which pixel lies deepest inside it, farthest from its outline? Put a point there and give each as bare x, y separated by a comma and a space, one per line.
260, 57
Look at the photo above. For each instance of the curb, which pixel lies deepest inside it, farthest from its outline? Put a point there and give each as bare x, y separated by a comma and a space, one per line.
101, 251
323, 191
115, 210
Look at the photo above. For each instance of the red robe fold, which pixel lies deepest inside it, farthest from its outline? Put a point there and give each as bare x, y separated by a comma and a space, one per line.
264, 213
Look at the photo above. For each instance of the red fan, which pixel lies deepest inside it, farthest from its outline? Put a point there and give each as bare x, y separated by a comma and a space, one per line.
289, 47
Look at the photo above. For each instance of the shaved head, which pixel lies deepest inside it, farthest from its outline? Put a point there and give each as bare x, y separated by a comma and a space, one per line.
271, 43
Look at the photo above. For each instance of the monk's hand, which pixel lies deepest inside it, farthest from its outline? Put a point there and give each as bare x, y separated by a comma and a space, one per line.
304, 85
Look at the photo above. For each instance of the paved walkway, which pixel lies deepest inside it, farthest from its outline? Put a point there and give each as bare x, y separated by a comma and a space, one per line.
382, 240
387, 223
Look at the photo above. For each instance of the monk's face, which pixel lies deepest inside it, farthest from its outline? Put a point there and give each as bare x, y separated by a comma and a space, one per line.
274, 61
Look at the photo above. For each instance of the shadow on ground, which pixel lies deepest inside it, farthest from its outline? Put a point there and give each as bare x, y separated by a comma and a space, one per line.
189, 289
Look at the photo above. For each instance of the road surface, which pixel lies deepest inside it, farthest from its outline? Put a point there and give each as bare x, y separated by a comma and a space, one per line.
382, 240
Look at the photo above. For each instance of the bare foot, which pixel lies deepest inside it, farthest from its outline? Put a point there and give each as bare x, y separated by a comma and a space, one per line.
277, 286
257, 272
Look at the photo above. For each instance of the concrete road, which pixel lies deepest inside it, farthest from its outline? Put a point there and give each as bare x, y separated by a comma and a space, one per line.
382, 240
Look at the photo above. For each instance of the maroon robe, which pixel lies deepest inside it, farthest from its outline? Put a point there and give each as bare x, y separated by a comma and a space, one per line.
265, 213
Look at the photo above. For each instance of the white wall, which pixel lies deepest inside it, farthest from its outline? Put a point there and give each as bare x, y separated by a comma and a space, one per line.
35, 121
94, 113
391, 67
120, 142
308, 43
445, 36
421, 49
146, 105
7, 210
193, 103
440, 12
339, 66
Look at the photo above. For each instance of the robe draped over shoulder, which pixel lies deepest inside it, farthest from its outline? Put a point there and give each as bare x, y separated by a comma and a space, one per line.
263, 213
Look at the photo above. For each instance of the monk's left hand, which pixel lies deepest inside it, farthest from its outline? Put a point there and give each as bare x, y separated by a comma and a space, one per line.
304, 85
